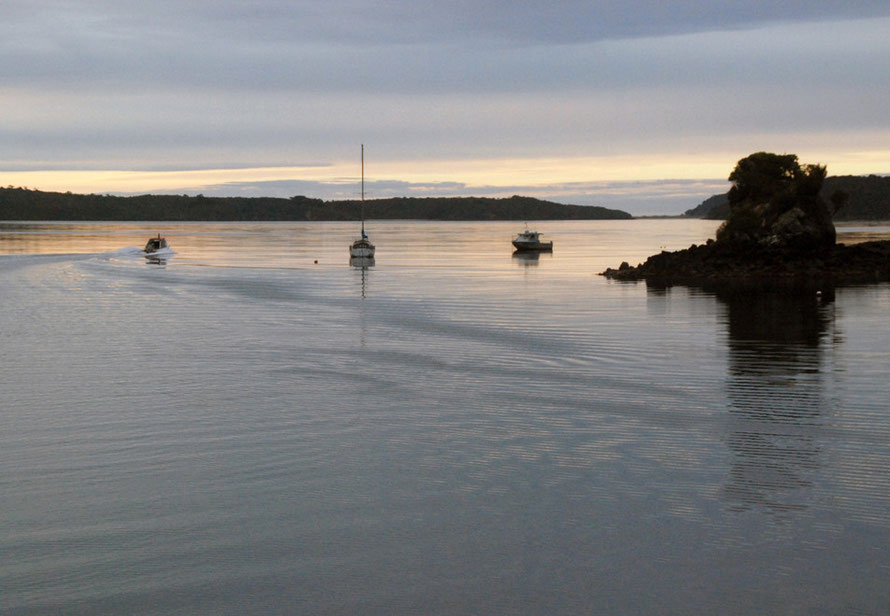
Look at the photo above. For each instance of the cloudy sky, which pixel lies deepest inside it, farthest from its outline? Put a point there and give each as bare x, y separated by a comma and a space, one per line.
643, 105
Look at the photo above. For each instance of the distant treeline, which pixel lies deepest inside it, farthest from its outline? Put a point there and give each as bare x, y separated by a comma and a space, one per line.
867, 198
25, 204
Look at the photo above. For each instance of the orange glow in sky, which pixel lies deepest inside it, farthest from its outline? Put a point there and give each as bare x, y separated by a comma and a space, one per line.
537, 172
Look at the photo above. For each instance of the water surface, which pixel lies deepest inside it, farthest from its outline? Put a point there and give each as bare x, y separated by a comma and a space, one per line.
255, 426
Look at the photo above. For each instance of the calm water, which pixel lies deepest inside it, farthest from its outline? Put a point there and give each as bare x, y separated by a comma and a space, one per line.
455, 430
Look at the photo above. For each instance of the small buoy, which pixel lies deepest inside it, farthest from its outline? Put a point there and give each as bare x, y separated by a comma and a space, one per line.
316, 261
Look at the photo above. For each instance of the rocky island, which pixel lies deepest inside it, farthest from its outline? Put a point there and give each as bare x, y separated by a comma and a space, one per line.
779, 230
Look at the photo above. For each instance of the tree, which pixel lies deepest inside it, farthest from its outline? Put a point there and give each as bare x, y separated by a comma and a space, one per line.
775, 201
762, 175
839, 199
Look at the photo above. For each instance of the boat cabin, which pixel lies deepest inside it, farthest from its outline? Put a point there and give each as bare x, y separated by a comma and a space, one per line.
528, 236
155, 244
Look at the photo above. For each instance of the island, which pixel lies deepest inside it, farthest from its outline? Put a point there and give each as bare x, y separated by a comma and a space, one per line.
25, 204
779, 230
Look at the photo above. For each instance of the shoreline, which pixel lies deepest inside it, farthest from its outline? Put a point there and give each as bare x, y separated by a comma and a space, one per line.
714, 263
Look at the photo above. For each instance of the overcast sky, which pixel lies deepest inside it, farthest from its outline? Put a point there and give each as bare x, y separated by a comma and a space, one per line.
644, 105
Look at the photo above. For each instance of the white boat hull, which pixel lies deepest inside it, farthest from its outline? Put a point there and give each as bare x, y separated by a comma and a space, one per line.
361, 249
540, 246
163, 252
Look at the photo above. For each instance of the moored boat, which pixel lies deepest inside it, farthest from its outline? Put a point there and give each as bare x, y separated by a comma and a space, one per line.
531, 240
362, 247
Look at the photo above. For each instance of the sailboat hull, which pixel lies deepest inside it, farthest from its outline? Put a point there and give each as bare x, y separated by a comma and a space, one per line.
361, 249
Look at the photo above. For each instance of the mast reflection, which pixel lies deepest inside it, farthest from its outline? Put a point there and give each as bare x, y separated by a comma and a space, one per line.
362, 263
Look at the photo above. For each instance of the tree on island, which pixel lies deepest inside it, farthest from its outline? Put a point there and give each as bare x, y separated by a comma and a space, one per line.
774, 201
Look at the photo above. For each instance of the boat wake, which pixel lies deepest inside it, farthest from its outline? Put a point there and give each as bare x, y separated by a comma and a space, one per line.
135, 251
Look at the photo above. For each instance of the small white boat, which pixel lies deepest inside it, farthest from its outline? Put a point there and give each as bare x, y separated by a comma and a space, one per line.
362, 248
156, 245
531, 240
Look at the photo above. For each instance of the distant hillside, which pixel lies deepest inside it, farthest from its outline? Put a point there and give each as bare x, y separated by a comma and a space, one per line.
469, 208
868, 199
716, 207
24, 204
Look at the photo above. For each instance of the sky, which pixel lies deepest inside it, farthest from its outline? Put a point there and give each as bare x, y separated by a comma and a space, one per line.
640, 105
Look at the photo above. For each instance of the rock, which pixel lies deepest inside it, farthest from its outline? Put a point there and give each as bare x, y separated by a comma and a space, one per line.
723, 263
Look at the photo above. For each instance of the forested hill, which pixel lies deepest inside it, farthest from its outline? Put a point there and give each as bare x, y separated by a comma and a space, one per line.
868, 198
25, 204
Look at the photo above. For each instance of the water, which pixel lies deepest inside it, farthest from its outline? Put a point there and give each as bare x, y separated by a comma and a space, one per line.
256, 427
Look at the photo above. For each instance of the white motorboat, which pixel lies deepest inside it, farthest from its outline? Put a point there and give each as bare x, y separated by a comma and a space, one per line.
362, 247
157, 245
531, 240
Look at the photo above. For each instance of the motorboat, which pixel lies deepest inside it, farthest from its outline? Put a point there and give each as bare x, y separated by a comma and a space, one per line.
531, 240
156, 245
362, 248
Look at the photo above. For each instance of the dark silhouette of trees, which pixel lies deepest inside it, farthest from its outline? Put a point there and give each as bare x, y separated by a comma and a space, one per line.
762, 175
24, 204
852, 198
776, 201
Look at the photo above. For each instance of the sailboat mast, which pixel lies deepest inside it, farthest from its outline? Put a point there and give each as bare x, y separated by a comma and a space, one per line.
363, 190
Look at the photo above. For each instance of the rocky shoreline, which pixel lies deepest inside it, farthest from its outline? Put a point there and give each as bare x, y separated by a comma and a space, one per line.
720, 263
779, 232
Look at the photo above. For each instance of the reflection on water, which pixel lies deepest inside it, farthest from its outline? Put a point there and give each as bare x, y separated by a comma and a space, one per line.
527, 258
852, 233
503, 438
776, 392
156, 260
362, 263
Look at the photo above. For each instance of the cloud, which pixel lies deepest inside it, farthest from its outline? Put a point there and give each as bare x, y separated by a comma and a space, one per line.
358, 45
188, 85
367, 22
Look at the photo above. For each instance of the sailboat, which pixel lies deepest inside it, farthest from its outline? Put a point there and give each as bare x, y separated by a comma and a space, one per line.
362, 248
